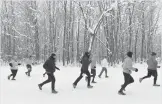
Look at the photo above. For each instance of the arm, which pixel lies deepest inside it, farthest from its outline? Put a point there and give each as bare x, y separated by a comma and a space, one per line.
57, 68
44, 74
157, 65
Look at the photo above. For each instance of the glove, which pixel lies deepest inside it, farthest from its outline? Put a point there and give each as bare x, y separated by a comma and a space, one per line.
136, 70
158, 66
19, 63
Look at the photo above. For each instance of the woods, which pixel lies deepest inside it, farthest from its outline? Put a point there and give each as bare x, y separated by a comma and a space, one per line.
69, 28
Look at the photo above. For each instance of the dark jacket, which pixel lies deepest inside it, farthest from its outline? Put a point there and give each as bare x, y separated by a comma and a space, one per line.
49, 65
85, 63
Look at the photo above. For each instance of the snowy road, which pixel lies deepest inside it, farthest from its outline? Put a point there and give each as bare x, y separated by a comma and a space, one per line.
25, 91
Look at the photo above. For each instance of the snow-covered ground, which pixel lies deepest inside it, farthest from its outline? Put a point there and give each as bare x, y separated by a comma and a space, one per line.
25, 90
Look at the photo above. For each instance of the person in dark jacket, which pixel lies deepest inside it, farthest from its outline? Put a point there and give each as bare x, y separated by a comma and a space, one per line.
85, 61
29, 64
93, 74
50, 67
152, 69
127, 70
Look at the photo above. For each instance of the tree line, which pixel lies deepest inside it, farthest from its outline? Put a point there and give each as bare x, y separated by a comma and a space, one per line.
69, 28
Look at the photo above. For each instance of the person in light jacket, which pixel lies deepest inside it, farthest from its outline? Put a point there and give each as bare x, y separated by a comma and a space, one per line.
104, 65
127, 70
152, 69
14, 68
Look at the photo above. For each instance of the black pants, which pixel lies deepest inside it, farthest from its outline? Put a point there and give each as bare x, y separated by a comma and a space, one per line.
14, 72
51, 78
29, 67
103, 70
151, 73
128, 79
93, 72
81, 76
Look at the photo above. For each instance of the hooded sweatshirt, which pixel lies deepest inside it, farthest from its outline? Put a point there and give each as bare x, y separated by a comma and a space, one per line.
127, 66
104, 63
85, 63
152, 64
49, 65
14, 65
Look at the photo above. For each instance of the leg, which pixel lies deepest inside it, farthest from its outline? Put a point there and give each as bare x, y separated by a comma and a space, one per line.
78, 79
11, 74
155, 76
149, 73
27, 66
53, 82
93, 75
14, 74
105, 72
89, 77
47, 81
131, 80
101, 72
126, 81
29, 71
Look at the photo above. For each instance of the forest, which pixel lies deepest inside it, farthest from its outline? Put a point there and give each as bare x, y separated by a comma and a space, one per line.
70, 27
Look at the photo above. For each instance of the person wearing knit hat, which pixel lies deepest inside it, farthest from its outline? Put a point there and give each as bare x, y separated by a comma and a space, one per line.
50, 68
152, 69
127, 70
85, 61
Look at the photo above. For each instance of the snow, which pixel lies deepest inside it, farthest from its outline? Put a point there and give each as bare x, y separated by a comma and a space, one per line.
25, 91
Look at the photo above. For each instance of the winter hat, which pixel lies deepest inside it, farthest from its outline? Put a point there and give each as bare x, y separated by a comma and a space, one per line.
87, 54
53, 54
129, 54
153, 54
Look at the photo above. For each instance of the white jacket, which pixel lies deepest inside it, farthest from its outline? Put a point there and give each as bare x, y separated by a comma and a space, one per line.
14, 65
104, 63
127, 66
28, 61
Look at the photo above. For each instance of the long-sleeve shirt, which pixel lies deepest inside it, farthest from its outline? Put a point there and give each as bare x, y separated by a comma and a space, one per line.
104, 63
14, 65
128, 66
28, 61
152, 64
85, 63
